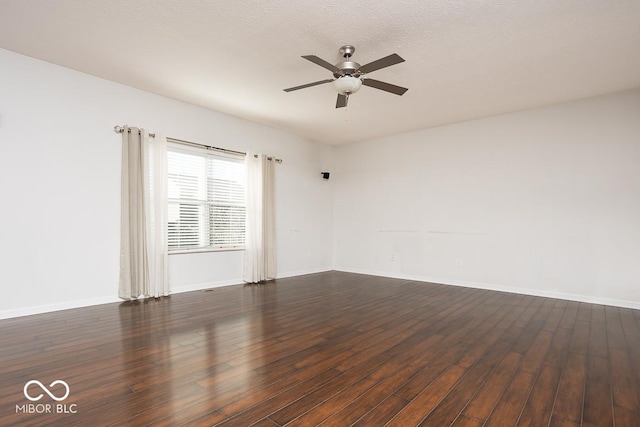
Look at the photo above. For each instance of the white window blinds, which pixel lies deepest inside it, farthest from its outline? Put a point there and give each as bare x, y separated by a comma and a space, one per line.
206, 200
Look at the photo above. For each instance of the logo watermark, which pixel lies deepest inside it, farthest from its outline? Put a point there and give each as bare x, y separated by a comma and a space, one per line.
46, 390
60, 395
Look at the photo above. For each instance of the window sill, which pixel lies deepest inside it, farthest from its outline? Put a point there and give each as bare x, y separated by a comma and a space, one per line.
201, 250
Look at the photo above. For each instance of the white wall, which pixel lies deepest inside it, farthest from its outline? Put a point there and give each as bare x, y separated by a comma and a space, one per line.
60, 186
545, 202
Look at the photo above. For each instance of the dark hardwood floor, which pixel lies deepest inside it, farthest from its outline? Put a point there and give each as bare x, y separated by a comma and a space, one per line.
331, 349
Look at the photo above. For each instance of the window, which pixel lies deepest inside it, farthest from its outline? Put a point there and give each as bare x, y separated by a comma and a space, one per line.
207, 205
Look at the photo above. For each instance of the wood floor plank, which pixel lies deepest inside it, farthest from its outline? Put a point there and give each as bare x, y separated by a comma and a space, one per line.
598, 345
527, 337
633, 353
365, 403
333, 404
598, 405
428, 399
488, 394
329, 349
570, 397
534, 357
464, 421
192, 419
584, 312
391, 376
553, 320
382, 413
451, 406
630, 325
268, 406
557, 422
428, 374
300, 406
537, 410
487, 342
509, 407
624, 417
615, 331
569, 316
559, 348
624, 385
580, 337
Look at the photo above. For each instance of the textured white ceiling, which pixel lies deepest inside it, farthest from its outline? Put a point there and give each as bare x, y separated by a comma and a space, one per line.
464, 59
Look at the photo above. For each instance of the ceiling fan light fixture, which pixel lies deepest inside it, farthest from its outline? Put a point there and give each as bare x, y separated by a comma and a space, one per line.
347, 85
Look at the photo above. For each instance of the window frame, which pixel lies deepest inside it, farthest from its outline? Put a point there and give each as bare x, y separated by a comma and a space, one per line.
205, 153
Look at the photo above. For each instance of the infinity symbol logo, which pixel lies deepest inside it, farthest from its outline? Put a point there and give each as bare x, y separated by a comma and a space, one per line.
46, 390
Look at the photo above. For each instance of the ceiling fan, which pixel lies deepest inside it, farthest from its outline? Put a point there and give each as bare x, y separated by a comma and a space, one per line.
349, 75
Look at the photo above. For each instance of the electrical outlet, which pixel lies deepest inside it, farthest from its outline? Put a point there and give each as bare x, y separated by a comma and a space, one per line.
458, 263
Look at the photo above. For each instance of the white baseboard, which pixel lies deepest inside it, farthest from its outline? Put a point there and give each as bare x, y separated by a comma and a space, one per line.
28, 311
501, 288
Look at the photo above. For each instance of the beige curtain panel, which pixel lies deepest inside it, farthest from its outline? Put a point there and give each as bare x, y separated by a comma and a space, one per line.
143, 238
260, 244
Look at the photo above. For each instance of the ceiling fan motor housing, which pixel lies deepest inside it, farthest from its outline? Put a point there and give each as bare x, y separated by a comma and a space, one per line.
347, 68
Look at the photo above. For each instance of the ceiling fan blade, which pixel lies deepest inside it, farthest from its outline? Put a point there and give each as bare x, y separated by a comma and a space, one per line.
307, 85
322, 63
342, 101
387, 87
387, 61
